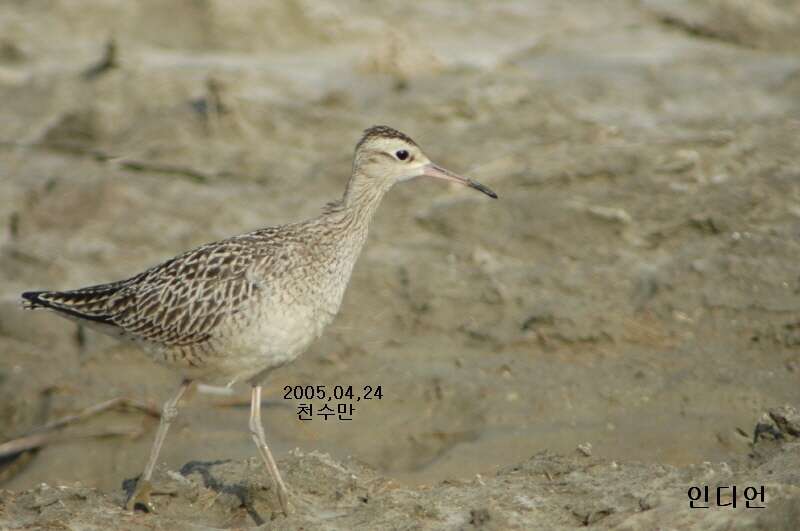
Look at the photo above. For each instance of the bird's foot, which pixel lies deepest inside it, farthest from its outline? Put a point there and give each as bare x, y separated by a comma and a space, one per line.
283, 499
140, 498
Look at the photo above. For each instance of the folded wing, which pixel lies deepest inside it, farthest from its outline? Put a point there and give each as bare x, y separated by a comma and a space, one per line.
179, 302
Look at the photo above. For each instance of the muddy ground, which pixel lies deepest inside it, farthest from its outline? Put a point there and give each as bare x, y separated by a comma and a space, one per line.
635, 288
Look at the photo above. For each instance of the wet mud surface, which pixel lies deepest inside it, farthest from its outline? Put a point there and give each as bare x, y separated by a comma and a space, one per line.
635, 288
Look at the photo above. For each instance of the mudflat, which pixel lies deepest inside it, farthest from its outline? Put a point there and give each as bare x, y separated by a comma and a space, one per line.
635, 287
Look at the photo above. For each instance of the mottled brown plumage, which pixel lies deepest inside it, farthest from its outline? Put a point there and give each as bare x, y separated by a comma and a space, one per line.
174, 309
236, 309
382, 131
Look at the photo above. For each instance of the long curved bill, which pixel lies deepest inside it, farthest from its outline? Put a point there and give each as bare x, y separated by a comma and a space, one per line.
432, 170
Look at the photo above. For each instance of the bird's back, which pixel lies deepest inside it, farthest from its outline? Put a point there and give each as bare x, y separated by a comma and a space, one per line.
266, 292
176, 303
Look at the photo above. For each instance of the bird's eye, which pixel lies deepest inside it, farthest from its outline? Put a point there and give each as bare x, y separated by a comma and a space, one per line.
401, 154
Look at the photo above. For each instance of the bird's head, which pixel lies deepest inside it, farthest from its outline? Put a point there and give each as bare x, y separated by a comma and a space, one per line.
385, 156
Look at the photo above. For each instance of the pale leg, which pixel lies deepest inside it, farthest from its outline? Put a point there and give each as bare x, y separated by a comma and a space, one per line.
143, 487
257, 432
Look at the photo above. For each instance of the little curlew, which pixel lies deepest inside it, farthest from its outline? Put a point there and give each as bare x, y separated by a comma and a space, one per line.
236, 309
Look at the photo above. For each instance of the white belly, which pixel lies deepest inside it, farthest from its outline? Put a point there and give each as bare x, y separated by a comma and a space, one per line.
271, 337
281, 322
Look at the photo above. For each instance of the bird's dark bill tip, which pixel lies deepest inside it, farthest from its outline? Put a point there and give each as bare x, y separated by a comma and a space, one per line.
481, 188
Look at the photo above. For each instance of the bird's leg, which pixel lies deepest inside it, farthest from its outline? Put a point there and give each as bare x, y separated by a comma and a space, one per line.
257, 432
141, 495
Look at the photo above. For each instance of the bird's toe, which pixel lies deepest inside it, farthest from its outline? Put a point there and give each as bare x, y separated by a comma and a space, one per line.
140, 498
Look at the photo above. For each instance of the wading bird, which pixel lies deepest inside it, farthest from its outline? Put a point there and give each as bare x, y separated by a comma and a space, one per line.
236, 309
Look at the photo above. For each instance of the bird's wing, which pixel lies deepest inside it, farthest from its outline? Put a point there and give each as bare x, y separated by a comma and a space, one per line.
178, 302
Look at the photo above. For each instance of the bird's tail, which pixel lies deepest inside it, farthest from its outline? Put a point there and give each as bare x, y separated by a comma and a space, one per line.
87, 303
31, 300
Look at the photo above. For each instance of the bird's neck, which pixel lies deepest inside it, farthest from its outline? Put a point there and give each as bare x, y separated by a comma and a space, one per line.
351, 216
363, 196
